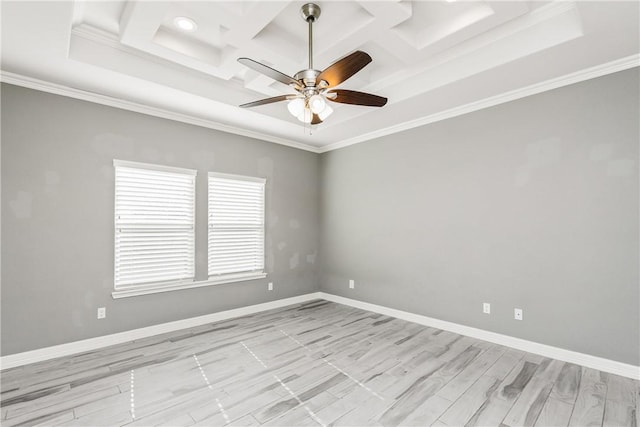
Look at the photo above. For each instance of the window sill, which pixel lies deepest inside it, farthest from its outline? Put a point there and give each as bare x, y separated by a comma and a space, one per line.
178, 286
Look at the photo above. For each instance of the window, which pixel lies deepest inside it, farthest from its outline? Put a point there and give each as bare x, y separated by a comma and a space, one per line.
236, 226
154, 227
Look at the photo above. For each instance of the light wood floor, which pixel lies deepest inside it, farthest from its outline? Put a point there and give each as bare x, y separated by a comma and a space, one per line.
309, 364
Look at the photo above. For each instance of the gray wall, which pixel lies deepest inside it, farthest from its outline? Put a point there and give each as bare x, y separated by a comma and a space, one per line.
57, 217
530, 204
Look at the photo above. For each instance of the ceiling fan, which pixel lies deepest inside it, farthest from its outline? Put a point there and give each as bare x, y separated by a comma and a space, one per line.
314, 87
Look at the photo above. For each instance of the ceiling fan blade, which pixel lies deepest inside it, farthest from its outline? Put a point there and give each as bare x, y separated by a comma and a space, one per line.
268, 100
344, 96
268, 71
315, 120
344, 68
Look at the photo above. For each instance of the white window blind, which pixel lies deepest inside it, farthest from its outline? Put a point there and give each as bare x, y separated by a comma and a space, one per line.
154, 225
236, 224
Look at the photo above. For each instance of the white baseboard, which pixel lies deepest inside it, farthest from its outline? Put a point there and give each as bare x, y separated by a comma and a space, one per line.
599, 363
39, 355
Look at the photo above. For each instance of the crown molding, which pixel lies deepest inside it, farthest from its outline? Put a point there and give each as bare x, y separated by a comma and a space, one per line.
57, 89
579, 76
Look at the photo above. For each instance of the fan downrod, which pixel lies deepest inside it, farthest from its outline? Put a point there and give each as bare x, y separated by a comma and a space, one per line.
310, 12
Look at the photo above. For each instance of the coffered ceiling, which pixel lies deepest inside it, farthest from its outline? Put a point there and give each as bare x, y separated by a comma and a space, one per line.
431, 59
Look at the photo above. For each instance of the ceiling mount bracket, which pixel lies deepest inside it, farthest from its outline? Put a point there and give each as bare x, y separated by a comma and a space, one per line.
310, 12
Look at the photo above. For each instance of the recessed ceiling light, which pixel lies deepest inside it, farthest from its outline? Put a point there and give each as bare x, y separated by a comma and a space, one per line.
450, 1
185, 24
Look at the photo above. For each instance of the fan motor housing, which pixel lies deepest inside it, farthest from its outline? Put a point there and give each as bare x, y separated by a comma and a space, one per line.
308, 77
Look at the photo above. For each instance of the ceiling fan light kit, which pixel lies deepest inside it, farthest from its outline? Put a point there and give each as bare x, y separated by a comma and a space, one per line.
313, 87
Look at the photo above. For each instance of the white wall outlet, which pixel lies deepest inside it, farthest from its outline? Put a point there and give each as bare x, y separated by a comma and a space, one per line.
270, 286
517, 313
486, 308
352, 284
102, 312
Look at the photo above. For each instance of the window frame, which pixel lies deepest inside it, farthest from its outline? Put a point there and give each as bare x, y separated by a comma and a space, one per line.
176, 285
143, 288
244, 275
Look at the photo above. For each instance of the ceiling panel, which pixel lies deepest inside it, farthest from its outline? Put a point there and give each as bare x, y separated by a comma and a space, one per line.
430, 58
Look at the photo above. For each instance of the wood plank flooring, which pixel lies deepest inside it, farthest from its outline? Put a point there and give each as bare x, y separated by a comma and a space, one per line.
318, 363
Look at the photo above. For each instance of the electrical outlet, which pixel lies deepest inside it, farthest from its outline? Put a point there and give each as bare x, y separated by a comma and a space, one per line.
352, 284
102, 312
517, 313
486, 308
270, 286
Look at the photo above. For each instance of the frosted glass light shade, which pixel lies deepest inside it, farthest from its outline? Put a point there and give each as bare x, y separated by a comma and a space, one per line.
305, 116
326, 112
296, 107
317, 103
